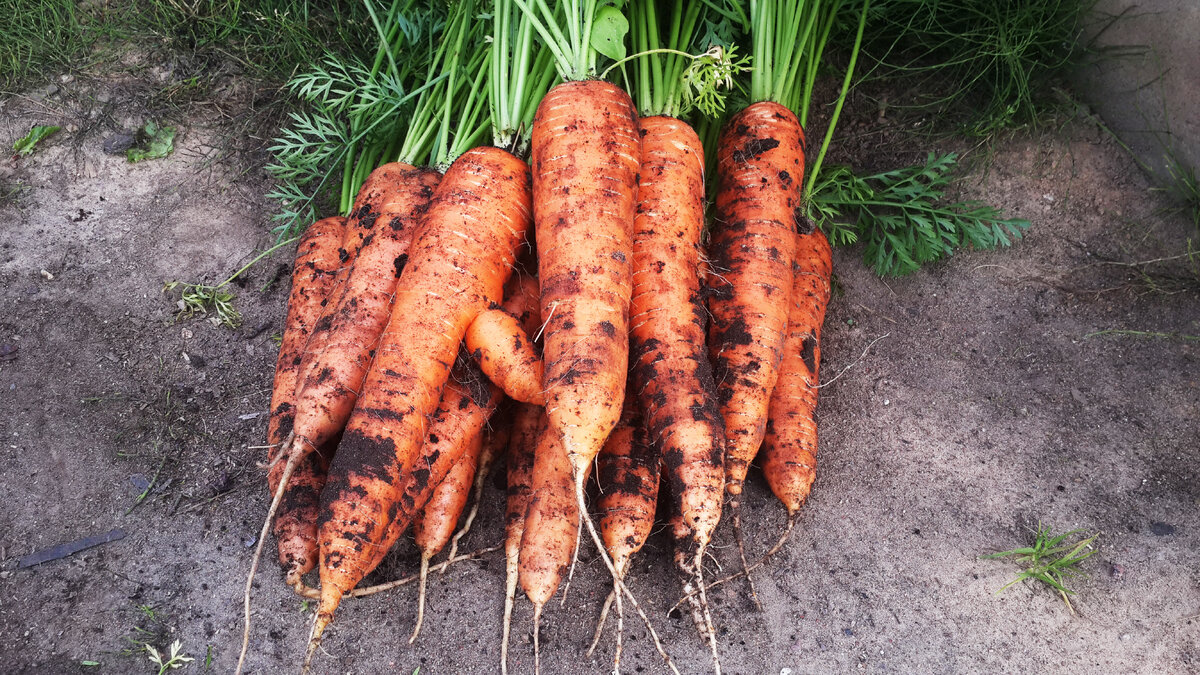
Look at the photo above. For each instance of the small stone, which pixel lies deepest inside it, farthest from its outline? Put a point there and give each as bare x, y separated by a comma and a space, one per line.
1078, 396
103, 97
47, 275
119, 142
67, 79
50, 90
1125, 637
1116, 571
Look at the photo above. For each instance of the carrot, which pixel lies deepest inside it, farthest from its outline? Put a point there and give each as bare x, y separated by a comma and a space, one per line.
353, 328
469, 238
671, 371
551, 527
504, 352
521, 444
585, 165
760, 167
380, 190
789, 452
313, 274
628, 475
434, 525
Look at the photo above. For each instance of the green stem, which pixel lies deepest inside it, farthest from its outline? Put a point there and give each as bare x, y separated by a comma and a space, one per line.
837, 110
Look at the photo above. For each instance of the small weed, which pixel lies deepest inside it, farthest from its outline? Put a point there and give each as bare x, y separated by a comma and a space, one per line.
1051, 560
26, 145
147, 610
304, 606
212, 301
176, 658
1184, 188
202, 300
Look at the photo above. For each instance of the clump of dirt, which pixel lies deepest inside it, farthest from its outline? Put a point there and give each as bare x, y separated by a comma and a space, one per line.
1003, 393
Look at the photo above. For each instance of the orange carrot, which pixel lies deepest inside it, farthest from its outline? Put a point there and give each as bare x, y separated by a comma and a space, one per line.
789, 452
521, 444
295, 526
671, 370
627, 472
468, 241
504, 352
434, 525
495, 443
760, 164
352, 330
551, 529
379, 193
585, 154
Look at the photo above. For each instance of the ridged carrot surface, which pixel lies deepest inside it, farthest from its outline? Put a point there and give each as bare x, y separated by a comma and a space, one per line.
760, 166
380, 191
352, 330
671, 371
295, 527
789, 451
585, 156
477, 220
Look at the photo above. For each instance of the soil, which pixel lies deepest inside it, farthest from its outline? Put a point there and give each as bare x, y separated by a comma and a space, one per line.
965, 404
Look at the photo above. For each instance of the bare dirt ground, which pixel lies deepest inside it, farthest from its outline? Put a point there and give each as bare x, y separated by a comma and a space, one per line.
989, 403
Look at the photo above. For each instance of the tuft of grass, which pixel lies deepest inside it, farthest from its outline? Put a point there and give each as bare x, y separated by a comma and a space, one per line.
1184, 188
902, 216
1051, 560
984, 65
270, 39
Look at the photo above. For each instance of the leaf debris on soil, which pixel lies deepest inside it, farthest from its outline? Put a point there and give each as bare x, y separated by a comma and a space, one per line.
25, 146
153, 142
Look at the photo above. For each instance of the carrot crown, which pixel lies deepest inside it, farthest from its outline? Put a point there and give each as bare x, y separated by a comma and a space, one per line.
578, 32
521, 73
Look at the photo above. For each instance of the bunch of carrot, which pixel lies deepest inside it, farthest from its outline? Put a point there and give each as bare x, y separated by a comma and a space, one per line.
634, 347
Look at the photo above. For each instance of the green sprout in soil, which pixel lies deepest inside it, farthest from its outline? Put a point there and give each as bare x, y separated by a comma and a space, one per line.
176, 659
1052, 560
213, 301
25, 145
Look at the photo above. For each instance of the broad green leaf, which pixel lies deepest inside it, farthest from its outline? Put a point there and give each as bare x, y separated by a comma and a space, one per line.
36, 135
608, 32
153, 142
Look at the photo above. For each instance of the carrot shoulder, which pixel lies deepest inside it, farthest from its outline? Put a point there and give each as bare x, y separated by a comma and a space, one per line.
295, 526
760, 167
789, 452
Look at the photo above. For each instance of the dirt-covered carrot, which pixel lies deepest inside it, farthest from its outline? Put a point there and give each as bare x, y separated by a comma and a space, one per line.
522, 443
477, 221
495, 444
761, 165
295, 528
789, 452
627, 474
353, 328
434, 524
670, 368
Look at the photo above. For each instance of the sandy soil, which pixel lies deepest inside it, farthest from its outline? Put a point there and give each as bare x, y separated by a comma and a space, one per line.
987, 404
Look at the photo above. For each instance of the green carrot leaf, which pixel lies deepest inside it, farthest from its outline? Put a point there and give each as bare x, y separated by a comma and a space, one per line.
609, 31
